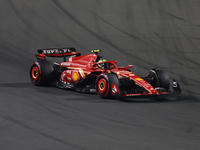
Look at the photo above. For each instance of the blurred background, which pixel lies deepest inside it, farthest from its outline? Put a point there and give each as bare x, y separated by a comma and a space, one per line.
146, 33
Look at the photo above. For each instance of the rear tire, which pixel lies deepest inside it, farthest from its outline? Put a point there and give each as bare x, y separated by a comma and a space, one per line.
41, 73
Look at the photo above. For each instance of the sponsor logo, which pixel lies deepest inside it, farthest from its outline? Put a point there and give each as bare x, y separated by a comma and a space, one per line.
65, 64
139, 79
56, 51
153, 71
50, 51
80, 71
175, 84
75, 76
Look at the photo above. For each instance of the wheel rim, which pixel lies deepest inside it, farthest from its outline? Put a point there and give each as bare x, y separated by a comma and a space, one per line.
35, 73
102, 85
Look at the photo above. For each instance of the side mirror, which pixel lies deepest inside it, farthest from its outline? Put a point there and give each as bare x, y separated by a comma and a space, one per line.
130, 66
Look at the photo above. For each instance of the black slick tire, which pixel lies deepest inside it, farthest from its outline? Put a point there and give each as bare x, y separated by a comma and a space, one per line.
41, 73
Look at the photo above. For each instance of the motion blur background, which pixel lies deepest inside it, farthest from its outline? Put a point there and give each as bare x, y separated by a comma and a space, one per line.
145, 33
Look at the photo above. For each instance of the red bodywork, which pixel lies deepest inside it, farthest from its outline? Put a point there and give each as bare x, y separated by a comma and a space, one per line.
79, 68
89, 74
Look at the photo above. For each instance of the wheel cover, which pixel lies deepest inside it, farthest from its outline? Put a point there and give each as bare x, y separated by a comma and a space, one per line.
102, 86
35, 73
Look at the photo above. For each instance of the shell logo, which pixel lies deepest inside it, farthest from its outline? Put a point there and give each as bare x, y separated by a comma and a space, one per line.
75, 76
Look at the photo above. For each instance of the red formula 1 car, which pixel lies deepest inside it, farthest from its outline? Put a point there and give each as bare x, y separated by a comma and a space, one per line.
90, 73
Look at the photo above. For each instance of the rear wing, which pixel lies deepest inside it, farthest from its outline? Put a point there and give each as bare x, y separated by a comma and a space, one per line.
56, 52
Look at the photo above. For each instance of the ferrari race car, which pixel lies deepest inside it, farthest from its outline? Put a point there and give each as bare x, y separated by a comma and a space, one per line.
92, 74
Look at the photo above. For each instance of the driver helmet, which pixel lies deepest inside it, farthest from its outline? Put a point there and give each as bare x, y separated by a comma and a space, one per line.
102, 65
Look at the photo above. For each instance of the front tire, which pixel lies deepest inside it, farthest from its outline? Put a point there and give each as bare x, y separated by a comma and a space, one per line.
158, 78
103, 88
107, 86
163, 79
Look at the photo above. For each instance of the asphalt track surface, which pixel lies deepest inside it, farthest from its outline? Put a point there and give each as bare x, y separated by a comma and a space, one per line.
145, 33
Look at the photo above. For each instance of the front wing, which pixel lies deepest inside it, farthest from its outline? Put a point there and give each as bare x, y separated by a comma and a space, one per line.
149, 95
176, 90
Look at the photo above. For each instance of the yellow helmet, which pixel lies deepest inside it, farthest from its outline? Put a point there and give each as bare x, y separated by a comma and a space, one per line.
102, 65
